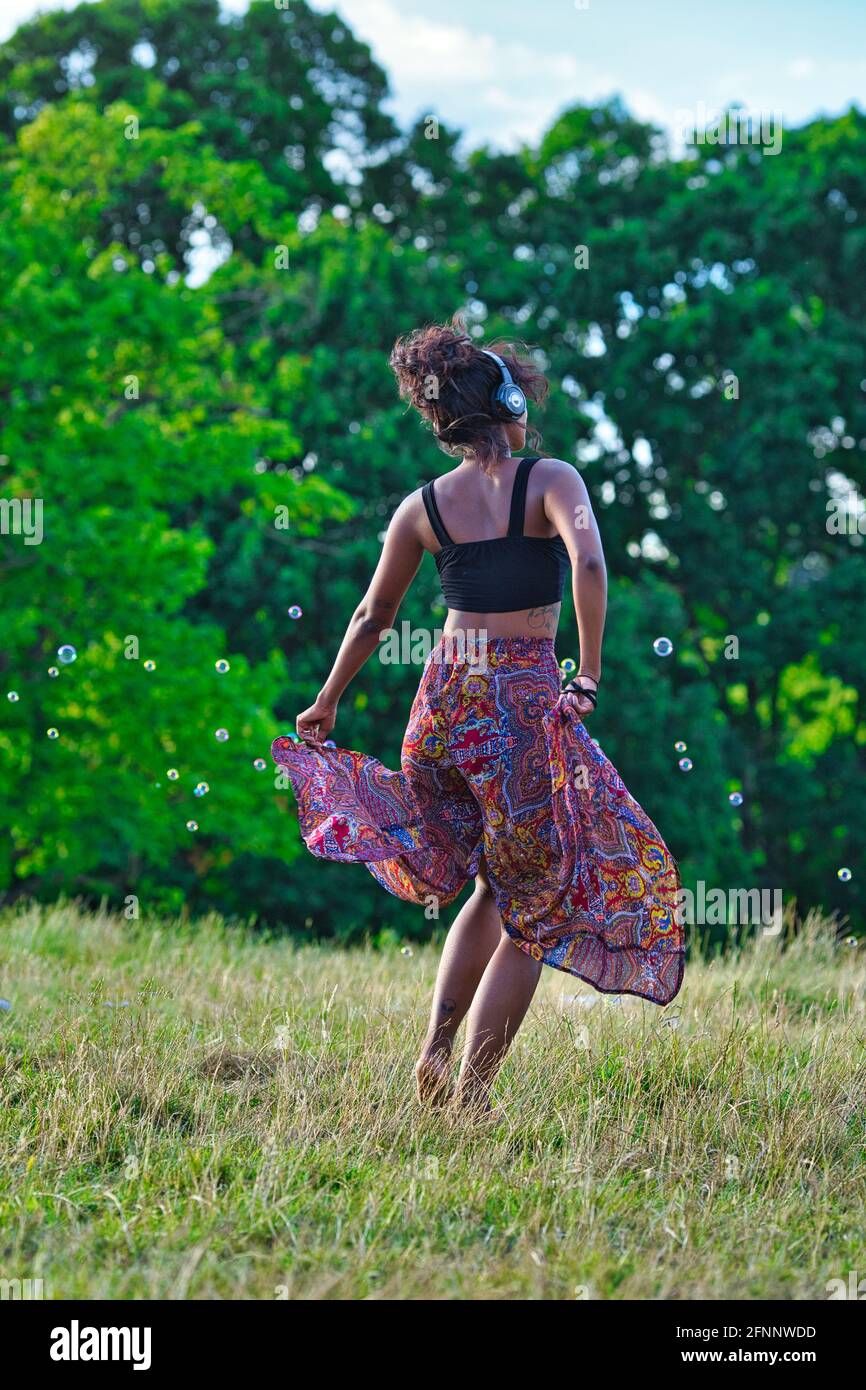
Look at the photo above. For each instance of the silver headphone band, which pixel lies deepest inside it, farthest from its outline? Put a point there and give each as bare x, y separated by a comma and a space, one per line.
507, 378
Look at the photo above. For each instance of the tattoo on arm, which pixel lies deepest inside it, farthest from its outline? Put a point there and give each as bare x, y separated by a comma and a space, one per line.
545, 618
447, 1007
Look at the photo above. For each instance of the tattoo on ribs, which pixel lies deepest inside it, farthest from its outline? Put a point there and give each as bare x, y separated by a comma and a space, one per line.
543, 617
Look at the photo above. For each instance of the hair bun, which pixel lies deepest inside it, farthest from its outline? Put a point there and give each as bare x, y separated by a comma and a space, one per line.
427, 359
450, 381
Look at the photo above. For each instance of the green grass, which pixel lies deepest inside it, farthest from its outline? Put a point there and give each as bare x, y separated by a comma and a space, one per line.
247, 1127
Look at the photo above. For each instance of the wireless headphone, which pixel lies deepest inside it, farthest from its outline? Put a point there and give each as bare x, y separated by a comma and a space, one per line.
508, 401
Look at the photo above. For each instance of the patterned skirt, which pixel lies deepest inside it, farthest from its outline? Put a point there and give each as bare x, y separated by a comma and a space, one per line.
495, 764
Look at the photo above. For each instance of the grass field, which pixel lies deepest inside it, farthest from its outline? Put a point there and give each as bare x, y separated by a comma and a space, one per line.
193, 1112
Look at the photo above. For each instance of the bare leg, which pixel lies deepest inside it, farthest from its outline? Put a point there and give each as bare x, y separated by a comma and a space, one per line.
474, 936
498, 1009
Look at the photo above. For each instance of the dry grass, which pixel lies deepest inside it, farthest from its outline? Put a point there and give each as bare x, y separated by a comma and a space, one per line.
194, 1112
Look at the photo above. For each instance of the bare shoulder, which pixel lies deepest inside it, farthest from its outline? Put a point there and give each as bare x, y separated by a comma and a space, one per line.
558, 477
554, 468
408, 515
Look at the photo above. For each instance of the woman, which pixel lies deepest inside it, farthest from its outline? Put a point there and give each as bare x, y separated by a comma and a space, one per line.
499, 780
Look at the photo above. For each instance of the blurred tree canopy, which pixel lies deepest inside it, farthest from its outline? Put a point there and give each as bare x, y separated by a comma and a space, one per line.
211, 234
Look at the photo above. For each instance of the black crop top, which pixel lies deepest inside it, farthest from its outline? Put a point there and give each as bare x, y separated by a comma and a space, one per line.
505, 574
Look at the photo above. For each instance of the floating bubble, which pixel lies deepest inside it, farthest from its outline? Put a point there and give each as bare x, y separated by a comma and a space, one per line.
567, 665
736, 798
201, 789
66, 654
221, 735
680, 746
405, 950
850, 941
222, 666
685, 764
172, 774
844, 875
295, 611
13, 697
259, 764
663, 646
192, 825
150, 666
53, 672
53, 733
5, 1005
329, 743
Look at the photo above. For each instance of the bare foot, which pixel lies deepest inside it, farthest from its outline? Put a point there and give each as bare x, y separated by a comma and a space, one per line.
477, 1106
431, 1076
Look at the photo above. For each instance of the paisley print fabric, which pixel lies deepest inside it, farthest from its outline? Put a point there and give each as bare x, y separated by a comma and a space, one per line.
494, 763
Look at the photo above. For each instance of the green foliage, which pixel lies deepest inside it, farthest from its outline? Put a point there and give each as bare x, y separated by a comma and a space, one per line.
717, 337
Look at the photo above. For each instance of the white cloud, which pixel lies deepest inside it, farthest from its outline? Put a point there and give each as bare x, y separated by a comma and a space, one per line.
801, 67
504, 89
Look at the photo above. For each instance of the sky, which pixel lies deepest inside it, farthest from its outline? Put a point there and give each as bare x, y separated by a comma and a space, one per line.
501, 70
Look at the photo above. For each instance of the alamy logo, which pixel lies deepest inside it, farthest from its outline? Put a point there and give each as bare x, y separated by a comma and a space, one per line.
23, 1289
855, 1287
22, 517
77, 1343
757, 907
735, 126
414, 646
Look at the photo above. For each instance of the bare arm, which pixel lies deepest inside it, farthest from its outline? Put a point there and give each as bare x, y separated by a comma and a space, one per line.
567, 505
397, 567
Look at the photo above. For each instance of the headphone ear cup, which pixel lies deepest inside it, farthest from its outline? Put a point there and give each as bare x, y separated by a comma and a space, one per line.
509, 402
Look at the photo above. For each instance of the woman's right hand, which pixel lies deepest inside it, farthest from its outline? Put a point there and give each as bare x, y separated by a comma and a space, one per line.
314, 724
581, 704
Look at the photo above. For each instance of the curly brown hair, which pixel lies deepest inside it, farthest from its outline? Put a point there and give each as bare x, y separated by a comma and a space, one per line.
450, 382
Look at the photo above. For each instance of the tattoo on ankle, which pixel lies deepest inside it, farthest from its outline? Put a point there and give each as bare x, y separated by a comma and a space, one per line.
447, 1007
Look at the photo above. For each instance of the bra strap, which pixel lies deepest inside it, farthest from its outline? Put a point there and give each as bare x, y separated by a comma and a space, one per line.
518, 496
429, 498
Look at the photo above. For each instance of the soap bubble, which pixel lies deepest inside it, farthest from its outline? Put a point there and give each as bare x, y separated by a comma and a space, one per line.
53, 672
192, 825
567, 665
329, 743
66, 654
12, 697
844, 875
851, 941
222, 666
53, 733
150, 666
680, 746
663, 646
201, 789
172, 774
221, 735
259, 764
405, 950
685, 764
5, 1006
295, 611
736, 798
